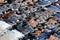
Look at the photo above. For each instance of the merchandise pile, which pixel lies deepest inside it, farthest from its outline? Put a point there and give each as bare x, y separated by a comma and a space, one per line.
29, 19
